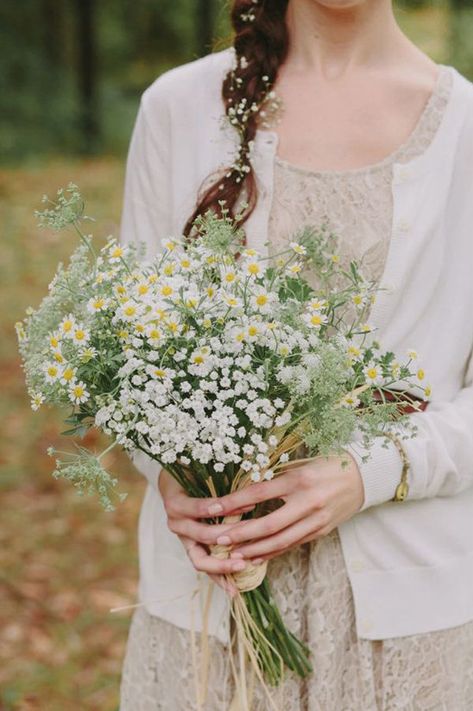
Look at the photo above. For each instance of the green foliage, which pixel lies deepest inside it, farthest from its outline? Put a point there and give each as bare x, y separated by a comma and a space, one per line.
41, 104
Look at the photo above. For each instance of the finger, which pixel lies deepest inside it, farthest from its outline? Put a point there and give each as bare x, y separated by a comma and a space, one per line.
240, 512
181, 505
206, 563
251, 495
285, 539
225, 583
207, 533
267, 525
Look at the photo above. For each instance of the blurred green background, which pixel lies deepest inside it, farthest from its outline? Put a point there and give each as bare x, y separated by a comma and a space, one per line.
71, 73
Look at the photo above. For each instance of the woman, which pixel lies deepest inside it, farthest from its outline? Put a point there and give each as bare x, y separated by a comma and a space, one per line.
366, 131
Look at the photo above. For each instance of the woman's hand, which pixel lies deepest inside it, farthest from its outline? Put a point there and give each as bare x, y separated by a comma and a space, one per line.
184, 514
317, 497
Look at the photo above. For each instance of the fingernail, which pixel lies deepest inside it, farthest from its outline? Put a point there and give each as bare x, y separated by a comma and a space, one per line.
239, 565
257, 561
215, 509
236, 554
224, 541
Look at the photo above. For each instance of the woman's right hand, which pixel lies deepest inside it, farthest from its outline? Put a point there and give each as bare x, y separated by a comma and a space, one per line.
185, 514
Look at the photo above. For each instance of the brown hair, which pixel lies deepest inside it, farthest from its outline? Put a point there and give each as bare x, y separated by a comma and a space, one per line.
261, 44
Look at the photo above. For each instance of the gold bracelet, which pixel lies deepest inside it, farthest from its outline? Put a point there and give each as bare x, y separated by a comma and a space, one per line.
402, 488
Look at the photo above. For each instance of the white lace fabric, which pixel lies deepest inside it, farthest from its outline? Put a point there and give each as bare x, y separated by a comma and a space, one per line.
427, 672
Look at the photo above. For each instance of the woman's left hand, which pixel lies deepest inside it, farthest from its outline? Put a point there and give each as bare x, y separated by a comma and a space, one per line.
317, 497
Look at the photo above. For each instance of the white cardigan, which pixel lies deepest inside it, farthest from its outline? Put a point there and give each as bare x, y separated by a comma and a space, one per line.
410, 564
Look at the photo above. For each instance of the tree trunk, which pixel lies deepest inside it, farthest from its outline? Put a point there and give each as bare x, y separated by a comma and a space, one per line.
87, 74
204, 26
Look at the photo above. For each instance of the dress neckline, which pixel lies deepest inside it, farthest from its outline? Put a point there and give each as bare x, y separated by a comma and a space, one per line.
441, 89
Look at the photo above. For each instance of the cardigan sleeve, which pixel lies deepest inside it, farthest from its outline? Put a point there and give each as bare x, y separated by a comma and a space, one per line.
440, 454
147, 210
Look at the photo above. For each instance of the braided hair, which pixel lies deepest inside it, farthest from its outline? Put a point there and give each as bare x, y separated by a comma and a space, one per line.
260, 43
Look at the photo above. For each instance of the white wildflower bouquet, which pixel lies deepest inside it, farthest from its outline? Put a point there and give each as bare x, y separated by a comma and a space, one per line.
219, 364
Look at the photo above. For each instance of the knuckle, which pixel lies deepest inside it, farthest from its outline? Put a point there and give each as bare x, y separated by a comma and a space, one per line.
319, 501
269, 527
201, 509
173, 506
207, 536
323, 531
324, 518
172, 524
306, 477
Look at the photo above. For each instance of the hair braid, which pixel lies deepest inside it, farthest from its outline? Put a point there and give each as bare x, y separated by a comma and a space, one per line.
260, 43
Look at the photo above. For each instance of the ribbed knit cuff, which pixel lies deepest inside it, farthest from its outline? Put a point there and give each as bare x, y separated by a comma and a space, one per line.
381, 472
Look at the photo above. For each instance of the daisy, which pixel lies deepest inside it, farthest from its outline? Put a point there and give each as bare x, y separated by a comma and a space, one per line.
97, 304
116, 253
80, 336
67, 375
86, 354
78, 393
350, 401
67, 326
373, 373
37, 400
315, 319
298, 248
52, 372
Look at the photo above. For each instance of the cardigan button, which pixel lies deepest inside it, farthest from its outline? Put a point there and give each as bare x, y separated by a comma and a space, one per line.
404, 226
366, 626
403, 174
357, 566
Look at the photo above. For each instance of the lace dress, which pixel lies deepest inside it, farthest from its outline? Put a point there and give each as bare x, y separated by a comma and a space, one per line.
426, 672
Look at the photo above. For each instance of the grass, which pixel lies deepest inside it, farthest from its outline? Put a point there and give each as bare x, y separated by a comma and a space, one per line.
64, 561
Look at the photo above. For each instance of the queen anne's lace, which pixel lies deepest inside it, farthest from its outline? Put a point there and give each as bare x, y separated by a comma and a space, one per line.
427, 672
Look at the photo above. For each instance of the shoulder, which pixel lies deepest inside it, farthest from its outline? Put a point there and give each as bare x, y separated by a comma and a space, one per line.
188, 83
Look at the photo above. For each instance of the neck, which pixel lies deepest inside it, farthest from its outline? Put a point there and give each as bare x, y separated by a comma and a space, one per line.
332, 40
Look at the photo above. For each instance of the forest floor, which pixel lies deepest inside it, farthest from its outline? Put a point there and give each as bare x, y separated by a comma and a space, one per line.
64, 561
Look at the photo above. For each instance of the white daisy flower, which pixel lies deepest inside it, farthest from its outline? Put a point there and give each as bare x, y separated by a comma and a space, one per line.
372, 373
78, 393
298, 248
52, 371
97, 304
80, 336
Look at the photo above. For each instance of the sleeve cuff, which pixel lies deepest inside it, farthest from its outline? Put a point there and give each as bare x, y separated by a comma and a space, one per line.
381, 472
